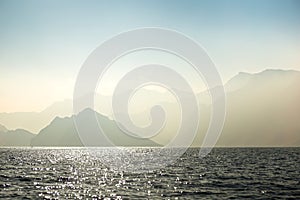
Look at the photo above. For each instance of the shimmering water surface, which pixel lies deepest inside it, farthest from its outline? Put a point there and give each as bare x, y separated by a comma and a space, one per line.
237, 173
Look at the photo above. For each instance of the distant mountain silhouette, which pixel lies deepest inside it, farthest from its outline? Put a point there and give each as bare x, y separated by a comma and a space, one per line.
35, 121
62, 132
17, 137
263, 109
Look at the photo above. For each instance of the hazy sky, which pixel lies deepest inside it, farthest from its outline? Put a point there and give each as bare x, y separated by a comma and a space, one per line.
44, 43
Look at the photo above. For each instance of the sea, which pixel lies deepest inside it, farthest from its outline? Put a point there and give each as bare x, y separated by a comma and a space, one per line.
225, 173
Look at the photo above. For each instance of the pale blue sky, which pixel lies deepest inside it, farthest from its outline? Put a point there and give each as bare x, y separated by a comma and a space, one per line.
44, 43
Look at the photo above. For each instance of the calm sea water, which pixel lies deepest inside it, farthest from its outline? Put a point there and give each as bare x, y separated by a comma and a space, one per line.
236, 173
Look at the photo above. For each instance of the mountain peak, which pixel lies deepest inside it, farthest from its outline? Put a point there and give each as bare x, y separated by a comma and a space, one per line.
243, 78
267, 71
276, 72
87, 111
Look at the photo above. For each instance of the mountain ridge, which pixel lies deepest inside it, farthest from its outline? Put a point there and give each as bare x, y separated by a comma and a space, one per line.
64, 132
266, 107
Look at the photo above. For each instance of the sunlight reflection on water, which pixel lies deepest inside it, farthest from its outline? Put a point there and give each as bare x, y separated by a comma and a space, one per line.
74, 173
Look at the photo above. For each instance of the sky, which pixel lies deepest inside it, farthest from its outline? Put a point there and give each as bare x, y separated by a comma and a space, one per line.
44, 43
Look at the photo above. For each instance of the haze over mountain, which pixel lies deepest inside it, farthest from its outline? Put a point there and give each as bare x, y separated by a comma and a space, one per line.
63, 132
17, 137
35, 121
263, 109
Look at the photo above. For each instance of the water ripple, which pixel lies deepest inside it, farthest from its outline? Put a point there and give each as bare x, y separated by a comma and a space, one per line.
228, 173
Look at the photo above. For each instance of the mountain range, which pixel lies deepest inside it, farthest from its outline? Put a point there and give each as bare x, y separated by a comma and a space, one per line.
17, 137
35, 121
263, 109
63, 132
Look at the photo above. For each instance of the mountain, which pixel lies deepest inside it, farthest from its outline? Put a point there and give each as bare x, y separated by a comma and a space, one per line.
63, 132
263, 111
238, 81
3, 128
35, 121
17, 137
